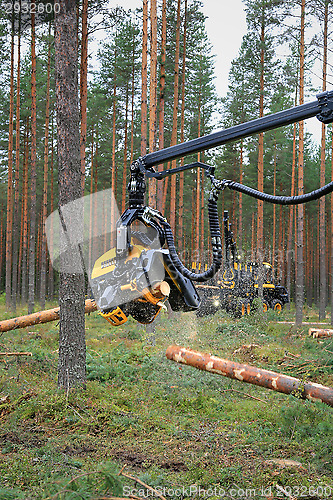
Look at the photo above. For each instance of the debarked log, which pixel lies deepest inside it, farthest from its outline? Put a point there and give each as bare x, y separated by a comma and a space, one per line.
251, 374
39, 317
318, 333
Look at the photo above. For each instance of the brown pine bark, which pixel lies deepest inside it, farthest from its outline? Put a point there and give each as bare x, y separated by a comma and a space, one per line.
300, 211
9, 226
83, 90
290, 222
332, 233
182, 126
322, 201
45, 181
123, 202
274, 211
132, 100
260, 222
113, 157
24, 291
144, 83
161, 103
240, 199
72, 348
51, 272
152, 188
16, 233
175, 122
33, 160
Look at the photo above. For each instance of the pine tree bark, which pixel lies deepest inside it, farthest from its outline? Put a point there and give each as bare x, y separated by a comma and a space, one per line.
51, 272
24, 291
33, 174
152, 188
83, 90
182, 127
9, 225
322, 201
16, 232
300, 211
43, 275
72, 348
144, 86
260, 204
175, 122
332, 233
123, 191
162, 103
290, 222
113, 157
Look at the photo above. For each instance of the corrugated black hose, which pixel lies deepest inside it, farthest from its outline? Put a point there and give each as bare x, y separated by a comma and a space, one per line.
279, 200
215, 234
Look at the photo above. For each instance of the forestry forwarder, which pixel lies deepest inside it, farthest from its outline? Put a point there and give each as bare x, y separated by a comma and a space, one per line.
124, 281
236, 286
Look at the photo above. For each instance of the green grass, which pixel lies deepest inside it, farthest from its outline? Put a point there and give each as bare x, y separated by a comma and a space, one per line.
171, 425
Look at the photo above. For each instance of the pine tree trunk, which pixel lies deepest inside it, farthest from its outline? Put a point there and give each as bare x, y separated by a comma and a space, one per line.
290, 223
24, 290
322, 210
9, 227
45, 181
144, 78
72, 348
113, 158
153, 95
175, 123
123, 202
33, 174
51, 272
83, 90
16, 235
161, 103
182, 126
240, 199
300, 211
332, 233
260, 204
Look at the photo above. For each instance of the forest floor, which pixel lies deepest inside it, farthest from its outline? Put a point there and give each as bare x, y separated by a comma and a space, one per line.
185, 433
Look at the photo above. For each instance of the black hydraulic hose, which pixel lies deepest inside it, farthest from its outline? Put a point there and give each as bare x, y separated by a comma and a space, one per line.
279, 200
215, 233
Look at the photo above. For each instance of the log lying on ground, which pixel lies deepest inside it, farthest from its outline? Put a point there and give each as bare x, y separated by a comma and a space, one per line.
251, 374
15, 353
39, 317
318, 333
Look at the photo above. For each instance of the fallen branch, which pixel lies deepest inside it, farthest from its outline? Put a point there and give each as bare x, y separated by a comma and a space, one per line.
317, 333
143, 484
244, 394
252, 375
39, 317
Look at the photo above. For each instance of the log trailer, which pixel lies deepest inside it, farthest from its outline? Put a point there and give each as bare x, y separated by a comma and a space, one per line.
142, 269
236, 286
